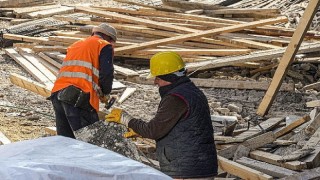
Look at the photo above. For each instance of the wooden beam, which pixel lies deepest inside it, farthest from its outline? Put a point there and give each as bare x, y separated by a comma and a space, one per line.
198, 34
30, 85
236, 84
315, 103
310, 174
195, 52
288, 56
35, 60
291, 126
256, 56
3, 139
50, 60
315, 86
29, 67
51, 130
128, 92
270, 169
131, 19
240, 170
276, 160
259, 140
48, 13
256, 130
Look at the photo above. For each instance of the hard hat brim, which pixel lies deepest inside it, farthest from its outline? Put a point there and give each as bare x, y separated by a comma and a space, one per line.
98, 29
150, 76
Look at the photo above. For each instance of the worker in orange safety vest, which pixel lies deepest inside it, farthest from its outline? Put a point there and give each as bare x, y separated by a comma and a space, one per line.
85, 77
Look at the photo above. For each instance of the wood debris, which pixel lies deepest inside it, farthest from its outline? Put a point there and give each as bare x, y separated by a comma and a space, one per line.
243, 35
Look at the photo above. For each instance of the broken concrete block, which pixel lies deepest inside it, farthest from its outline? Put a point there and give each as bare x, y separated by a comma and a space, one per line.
234, 108
222, 110
109, 136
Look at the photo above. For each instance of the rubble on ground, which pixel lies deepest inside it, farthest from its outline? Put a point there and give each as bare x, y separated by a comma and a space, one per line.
233, 69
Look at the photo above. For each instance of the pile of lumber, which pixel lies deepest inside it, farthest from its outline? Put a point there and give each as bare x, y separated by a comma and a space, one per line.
232, 38
204, 42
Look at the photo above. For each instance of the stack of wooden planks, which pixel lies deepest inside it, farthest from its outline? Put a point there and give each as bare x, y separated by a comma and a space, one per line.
234, 36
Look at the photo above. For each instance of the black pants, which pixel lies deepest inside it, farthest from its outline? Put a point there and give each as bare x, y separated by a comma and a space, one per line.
70, 118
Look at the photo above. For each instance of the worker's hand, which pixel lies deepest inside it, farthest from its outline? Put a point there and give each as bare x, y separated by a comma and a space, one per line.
104, 98
119, 116
130, 134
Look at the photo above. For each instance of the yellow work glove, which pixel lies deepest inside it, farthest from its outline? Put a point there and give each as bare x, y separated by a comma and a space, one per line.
130, 134
119, 116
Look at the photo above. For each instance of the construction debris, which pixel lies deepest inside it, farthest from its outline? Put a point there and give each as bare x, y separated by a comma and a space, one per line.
230, 45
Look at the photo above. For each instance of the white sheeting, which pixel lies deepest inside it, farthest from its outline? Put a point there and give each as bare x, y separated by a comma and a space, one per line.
59, 157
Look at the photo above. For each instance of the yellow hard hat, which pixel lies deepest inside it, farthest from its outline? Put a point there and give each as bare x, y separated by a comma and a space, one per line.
165, 63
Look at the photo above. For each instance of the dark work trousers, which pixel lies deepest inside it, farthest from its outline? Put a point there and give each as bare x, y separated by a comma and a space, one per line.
70, 118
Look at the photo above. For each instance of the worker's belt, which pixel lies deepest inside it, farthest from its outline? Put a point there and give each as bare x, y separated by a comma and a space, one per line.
75, 97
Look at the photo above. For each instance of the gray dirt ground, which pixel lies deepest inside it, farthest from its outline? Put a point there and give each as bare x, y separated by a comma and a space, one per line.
23, 114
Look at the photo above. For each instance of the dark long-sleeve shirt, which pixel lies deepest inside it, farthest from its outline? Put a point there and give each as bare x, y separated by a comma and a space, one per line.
170, 111
106, 69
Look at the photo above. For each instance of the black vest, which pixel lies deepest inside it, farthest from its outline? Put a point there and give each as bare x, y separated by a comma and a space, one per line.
188, 150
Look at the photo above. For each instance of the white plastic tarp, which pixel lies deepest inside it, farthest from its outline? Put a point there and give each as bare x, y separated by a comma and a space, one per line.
59, 157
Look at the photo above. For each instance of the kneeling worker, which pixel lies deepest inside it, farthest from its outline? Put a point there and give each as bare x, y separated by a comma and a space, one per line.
182, 126
85, 77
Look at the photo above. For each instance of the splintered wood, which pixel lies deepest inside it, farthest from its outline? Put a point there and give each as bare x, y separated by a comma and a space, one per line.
208, 36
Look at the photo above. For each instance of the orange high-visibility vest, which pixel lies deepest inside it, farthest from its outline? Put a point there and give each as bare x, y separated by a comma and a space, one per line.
80, 68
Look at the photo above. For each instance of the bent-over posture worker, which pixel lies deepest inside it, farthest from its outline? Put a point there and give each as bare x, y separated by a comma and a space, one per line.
85, 77
182, 126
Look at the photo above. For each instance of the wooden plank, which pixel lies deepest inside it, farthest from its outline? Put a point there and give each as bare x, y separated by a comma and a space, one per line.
247, 43
259, 140
128, 92
313, 126
20, 12
125, 71
311, 174
315, 86
30, 85
50, 12
266, 168
250, 144
241, 171
246, 11
280, 142
191, 36
291, 126
162, 8
53, 69
35, 60
276, 160
256, 56
3, 139
237, 84
288, 56
62, 49
315, 103
51, 130
256, 130
50, 60
131, 19
25, 38
313, 160
204, 52
29, 67
149, 23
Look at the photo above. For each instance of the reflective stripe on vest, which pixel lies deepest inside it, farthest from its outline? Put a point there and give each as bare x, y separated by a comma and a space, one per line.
79, 75
81, 63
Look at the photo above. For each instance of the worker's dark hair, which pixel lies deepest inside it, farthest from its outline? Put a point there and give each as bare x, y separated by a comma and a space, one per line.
172, 77
104, 36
